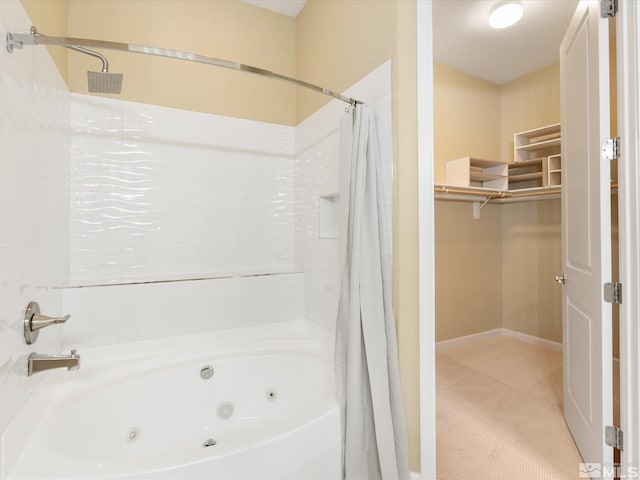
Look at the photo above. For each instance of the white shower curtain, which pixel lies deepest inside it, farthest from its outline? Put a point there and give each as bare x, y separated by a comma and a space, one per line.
367, 374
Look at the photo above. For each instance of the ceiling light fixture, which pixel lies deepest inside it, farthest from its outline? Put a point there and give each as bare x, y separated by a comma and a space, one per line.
504, 14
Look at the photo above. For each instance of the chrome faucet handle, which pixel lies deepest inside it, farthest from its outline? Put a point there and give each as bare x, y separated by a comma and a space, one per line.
34, 321
40, 321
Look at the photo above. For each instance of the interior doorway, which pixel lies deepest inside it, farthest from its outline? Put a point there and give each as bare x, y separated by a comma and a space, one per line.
628, 20
496, 256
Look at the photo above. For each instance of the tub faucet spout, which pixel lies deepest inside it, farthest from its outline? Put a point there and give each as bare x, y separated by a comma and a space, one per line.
42, 362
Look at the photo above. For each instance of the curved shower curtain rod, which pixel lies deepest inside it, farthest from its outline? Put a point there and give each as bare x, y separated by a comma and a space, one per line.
17, 40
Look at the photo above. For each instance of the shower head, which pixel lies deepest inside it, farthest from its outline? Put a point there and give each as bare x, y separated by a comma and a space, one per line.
100, 82
104, 82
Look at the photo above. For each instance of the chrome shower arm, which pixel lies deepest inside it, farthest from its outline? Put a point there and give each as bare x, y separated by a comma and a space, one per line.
105, 62
17, 40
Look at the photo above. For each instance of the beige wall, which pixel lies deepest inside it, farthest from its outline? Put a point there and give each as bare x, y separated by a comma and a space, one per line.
467, 113
468, 269
335, 51
227, 29
532, 256
511, 254
50, 17
405, 217
531, 237
528, 102
468, 251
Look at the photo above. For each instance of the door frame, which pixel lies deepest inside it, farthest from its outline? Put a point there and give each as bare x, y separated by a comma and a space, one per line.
628, 23
426, 240
628, 108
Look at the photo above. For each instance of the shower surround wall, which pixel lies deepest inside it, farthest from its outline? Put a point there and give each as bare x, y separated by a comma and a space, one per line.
321, 171
164, 194
160, 194
34, 200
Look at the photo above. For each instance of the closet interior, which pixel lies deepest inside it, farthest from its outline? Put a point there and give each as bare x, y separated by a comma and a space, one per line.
497, 184
498, 181
498, 177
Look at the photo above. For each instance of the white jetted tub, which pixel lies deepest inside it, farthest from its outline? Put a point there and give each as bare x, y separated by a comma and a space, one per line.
144, 410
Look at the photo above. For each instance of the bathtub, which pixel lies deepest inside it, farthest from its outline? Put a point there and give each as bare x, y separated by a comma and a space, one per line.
147, 410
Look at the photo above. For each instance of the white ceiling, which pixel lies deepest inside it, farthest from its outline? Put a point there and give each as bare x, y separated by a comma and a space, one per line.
463, 39
286, 7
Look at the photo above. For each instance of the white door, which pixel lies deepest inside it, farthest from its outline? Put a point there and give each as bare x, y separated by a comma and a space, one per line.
586, 233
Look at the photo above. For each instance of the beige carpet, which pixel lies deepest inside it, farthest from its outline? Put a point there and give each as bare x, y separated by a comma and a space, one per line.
499, 413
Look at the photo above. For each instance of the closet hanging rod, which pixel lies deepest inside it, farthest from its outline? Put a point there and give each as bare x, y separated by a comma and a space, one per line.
496, 194
18, 40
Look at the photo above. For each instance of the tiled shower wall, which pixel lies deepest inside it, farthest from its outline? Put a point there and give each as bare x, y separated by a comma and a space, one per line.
34, 201
163, 194
231, 206
321, 171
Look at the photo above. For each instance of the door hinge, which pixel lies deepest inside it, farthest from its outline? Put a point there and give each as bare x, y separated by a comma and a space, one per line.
613, 292
613, 436
608, 8
611, 148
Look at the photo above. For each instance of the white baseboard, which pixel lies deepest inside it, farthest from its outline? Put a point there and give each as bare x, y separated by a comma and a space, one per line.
542, 342
454, 342
500, 332
414, 476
